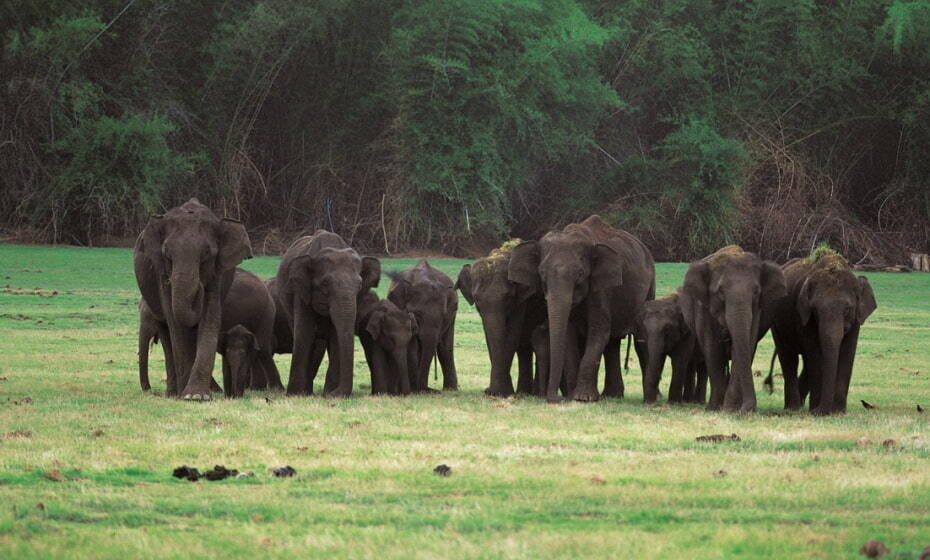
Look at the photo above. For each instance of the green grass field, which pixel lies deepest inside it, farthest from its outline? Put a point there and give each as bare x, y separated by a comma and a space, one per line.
86, 457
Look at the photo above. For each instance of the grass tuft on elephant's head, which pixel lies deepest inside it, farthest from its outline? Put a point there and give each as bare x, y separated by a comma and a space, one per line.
828, 257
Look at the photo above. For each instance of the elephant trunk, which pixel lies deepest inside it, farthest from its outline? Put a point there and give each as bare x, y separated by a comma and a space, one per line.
342, 312
501, 348
831, 338
186, 295
655, 361
240, 372
739, 318
560, 307
400, 380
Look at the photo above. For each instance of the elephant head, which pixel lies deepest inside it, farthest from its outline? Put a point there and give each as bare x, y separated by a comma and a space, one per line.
239, 348
566, 267
190, 251
727, 294
837, 302
393, 330
661, 325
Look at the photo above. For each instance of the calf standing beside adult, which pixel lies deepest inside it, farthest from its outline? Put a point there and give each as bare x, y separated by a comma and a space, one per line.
598, 276
319, 280
430, 295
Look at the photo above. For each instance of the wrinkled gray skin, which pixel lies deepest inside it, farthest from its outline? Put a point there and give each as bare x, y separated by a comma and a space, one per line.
239, 349
596, 276
729, 300
661, 332
430, 296
319, 280
247, 303
184, 262
509, 314
820, 321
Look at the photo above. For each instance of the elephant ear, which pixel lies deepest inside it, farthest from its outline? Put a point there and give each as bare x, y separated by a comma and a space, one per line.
773, 291
234, 245
463, 284
694, 292
523, 267
867, 302
371, 272
803, 304
300, 277
375, 322
151, 240
606, 268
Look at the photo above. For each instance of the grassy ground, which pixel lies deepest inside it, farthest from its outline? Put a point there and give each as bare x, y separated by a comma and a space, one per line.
85, 457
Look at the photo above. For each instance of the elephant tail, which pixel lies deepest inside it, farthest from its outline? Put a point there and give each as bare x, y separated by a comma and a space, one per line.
626, 361
769, 382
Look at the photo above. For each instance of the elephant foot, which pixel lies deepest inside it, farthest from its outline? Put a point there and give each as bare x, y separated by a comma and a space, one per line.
450, 388
554, 399
747, 408
428, 391
819, 411
197, 396
612, 394
585, 395
502, 392
712, 407
338, 394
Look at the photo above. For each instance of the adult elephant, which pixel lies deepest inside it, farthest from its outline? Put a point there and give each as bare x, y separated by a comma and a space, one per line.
184, 263
318, 281
728, 300
430, 295
820, 320
509, 313
598, 275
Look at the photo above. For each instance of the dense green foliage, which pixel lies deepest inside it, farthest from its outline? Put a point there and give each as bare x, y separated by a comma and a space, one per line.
448, 124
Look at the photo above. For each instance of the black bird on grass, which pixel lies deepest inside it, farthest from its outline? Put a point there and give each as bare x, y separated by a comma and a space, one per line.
867, 405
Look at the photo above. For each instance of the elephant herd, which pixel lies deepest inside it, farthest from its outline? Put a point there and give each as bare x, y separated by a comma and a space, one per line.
559, 305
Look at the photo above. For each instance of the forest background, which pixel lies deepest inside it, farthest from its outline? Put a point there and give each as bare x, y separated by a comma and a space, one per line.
451, 125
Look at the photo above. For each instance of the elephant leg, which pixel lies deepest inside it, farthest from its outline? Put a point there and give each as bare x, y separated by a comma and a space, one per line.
716, 372
214, 386
227, 379
700, 380
586, 389
811, 375
573, 360
413, 364
681, 387
450, 380
525, 367
788, 358
613, 377
305, 329
332, 368
198, 386
270, 370
258, 380
844, 368
541, 349
317, 353
184, 345
170, 371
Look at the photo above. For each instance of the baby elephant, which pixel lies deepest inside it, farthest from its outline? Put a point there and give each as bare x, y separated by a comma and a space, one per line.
661, 331
387, 334
239, 349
